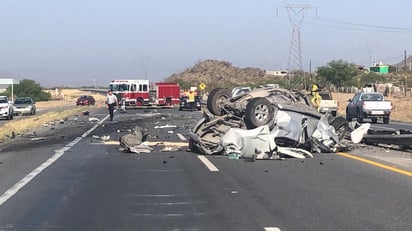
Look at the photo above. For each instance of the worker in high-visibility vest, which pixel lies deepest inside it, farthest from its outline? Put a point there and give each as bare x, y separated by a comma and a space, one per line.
191, 100
315, 96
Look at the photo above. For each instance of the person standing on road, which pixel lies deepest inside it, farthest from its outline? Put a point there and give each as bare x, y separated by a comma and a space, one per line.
111, 101
191, 100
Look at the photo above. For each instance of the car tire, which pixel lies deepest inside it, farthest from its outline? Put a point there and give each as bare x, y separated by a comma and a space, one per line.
215, 98
386, 119
348, 117
259, 112
139, 102
341, 127
374, 120
358, 117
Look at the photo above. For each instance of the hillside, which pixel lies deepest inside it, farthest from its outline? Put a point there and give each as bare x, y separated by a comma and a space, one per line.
220, 73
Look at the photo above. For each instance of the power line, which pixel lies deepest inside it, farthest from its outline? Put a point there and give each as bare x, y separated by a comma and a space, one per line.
358, 26
366, 25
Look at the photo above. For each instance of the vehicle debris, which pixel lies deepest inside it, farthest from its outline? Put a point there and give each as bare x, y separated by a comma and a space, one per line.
94, 119
265, 123
130, 141
165, 126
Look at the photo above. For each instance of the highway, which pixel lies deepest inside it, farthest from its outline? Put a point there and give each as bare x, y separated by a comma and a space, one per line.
67, 178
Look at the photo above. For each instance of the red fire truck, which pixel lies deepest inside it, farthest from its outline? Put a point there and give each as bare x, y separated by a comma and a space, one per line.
136, 92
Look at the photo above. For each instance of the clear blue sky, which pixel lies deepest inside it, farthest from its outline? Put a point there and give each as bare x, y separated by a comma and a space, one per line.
71, 42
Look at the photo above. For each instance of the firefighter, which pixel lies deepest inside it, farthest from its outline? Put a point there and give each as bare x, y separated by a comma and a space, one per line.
315, 98
191, 100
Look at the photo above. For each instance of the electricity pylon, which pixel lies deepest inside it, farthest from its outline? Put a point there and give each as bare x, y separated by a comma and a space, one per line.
296, 15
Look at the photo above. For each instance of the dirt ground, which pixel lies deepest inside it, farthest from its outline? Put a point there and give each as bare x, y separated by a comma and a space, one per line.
66, 97
63, 105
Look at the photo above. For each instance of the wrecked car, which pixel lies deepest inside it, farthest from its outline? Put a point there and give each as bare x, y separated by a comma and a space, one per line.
291, 119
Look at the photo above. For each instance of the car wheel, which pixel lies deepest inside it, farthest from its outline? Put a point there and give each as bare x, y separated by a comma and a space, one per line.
259, 112
139, 102
341, 127
348, 117
374, 120
386, 120
359, 117
215, 98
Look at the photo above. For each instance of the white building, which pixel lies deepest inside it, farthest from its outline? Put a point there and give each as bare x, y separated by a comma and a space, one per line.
278, 73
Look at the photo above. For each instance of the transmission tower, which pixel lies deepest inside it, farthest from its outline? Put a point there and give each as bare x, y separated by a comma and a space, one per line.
296, 15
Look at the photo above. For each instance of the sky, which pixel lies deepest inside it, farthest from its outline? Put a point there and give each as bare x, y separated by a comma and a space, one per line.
74, 43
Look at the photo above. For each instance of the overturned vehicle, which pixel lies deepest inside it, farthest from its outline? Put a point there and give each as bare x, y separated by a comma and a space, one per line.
263, 122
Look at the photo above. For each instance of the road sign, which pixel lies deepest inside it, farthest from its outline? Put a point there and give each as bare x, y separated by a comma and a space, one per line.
9, 81
202, 86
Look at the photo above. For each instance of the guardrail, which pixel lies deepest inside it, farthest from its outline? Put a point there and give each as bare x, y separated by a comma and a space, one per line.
96, 90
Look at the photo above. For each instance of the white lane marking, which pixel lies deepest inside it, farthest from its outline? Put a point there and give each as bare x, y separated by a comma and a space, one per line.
208, 164
57, 154
181, 137
164, 203
156, 195
272, 229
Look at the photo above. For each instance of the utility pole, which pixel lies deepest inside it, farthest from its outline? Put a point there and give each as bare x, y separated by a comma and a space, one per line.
406, 76
94, 82
296, 15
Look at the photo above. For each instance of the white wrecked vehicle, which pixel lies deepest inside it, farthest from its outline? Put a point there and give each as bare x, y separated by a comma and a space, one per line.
291, 119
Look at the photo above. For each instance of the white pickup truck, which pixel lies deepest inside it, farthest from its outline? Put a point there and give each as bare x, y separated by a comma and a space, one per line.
327, 104
371, 105
6, 108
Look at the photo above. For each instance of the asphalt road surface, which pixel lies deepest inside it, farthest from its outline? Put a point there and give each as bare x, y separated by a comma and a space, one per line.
65, 177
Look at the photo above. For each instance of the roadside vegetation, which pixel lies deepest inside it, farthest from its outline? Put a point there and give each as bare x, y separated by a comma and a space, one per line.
63, 105
337, 75
28, 88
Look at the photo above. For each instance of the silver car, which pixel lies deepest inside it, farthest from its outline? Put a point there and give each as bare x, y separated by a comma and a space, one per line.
24, 106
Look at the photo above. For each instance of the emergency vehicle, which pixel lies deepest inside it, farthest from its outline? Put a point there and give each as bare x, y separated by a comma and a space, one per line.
137, 92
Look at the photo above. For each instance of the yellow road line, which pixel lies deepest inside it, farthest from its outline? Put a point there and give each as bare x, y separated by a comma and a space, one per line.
374, 163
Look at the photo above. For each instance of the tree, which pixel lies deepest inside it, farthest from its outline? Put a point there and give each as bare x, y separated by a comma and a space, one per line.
338, 72
372, 77
29, 88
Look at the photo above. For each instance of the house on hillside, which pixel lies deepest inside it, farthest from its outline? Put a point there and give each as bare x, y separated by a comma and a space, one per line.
380, 68
277, 73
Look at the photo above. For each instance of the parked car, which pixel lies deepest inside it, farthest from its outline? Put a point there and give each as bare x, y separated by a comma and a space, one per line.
367, 105
85, 100
185, 105
6, 108
24, 106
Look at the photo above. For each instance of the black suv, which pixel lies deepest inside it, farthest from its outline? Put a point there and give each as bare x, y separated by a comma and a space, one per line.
185, 105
